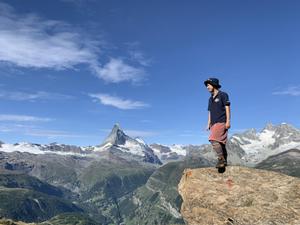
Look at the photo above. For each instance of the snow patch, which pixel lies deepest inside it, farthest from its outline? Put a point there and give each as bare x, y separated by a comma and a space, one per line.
133, 147
266, 138
33, 149
141, 141
22, 147
102, 148
178, 149
156, 152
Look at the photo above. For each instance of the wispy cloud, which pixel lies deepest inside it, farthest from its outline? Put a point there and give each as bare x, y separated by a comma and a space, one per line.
23, 118
116, 70
54, 134
30, 41
140, 133
137, 55
293, 91
32, 130
33, 96
117, 102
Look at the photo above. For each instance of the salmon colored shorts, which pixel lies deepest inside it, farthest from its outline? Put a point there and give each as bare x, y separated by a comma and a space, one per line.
218, 132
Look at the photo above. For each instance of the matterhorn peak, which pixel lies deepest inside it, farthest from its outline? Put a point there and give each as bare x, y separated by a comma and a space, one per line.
116, 136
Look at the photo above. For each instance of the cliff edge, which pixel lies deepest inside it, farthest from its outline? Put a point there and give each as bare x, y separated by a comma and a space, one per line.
239, 196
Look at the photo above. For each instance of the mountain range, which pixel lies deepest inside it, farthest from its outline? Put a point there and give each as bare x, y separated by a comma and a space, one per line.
247, 148
123, 180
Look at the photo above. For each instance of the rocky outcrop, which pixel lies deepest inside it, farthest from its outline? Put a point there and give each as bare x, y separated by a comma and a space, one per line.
11, 222
239, 196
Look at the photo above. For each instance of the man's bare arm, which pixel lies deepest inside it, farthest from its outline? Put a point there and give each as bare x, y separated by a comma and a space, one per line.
208, 122
227, 108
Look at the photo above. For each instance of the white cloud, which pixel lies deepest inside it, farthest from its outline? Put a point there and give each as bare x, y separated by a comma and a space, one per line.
117, 102
30, 41
116, 70
26, 96
53, 134
9, 127
293, 91
137, 55
32, 130
23, 118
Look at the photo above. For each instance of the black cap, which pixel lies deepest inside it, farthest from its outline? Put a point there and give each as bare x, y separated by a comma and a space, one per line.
213, 81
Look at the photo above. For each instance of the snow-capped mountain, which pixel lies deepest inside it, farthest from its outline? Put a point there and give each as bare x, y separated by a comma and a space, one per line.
118, 142
55, 148
169, 153
249, 147
270, 141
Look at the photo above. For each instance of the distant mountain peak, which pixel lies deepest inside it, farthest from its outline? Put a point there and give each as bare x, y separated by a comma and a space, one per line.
116, 136
282, 126
120, 143
287, 126
270, 127
116, 126
251, 131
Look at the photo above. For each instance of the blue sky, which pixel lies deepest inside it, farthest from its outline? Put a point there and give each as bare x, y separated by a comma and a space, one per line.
71, 69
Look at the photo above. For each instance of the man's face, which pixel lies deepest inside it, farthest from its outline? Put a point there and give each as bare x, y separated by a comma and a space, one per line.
210, 88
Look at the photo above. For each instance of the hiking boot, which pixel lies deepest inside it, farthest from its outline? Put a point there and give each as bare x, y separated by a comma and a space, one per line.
221, 162
225, 162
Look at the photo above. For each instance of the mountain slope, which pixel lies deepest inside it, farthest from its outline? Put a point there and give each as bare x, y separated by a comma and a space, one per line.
12, 180
28, 205
105, 183
287, 162
158, 201
71, 219
270, 141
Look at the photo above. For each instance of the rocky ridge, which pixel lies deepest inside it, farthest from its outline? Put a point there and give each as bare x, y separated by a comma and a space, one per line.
239, 196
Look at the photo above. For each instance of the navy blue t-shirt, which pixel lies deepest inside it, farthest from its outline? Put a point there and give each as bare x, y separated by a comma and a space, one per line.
216, 106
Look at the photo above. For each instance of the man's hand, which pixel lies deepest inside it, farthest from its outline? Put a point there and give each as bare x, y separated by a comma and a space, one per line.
227, 125
208, 127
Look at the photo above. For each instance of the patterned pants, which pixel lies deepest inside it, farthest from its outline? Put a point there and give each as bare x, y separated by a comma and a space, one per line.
219, 148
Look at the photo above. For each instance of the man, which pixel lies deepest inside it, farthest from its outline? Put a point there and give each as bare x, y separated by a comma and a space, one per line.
218, 119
